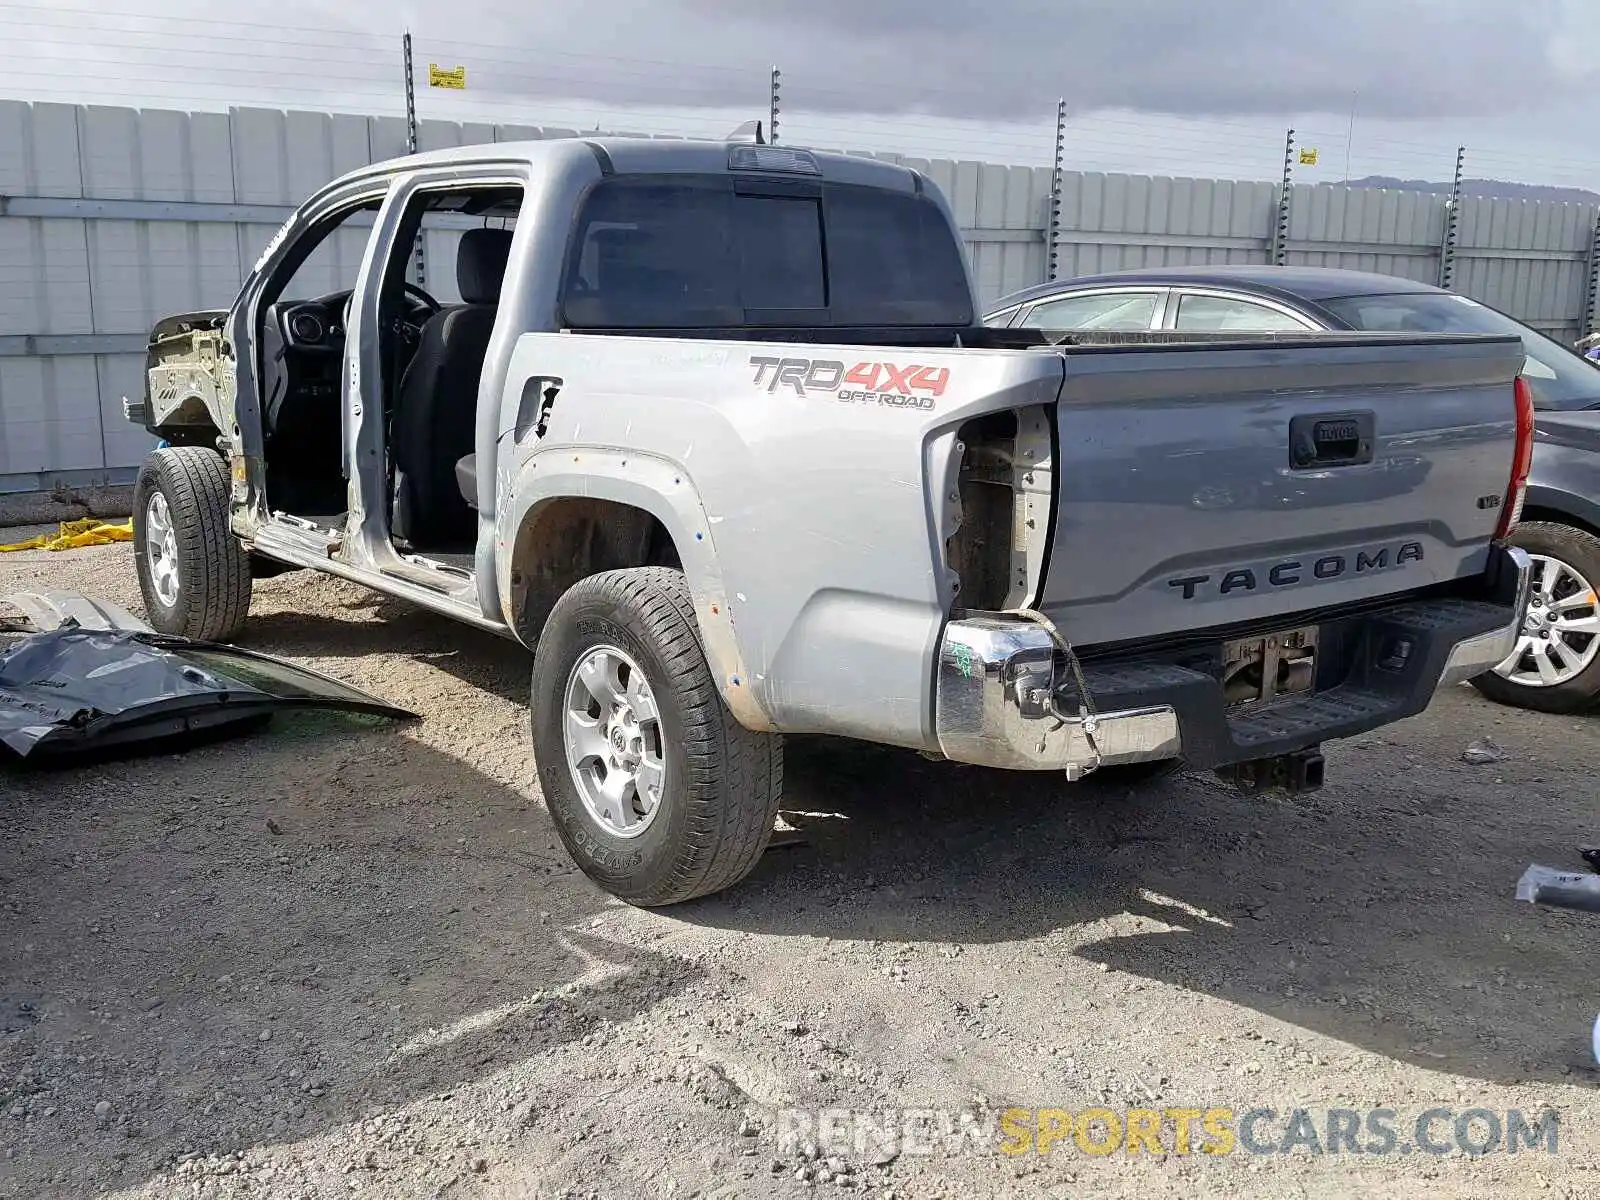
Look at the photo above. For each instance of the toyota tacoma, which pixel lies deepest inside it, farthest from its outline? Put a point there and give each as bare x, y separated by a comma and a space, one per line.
715, 431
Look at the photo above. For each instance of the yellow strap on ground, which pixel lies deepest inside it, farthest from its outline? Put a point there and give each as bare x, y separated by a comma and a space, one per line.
74, 534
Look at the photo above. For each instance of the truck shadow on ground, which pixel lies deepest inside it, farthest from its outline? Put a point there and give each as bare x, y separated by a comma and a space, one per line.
406, 923
382, 625
1378, 912
1390, 891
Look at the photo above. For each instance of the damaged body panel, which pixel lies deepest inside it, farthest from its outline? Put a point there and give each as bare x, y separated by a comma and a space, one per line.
44, 611
73, 689
188, 377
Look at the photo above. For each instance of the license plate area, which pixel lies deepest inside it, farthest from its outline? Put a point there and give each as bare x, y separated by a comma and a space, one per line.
1257, 669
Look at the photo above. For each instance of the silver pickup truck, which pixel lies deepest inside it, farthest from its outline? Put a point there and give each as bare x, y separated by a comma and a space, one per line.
712, 428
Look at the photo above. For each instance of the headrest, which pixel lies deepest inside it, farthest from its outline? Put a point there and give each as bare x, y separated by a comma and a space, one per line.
481, 264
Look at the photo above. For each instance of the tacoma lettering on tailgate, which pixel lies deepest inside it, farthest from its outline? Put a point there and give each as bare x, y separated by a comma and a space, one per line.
1247, 580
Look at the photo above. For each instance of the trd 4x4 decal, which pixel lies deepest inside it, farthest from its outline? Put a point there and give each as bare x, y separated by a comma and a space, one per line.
895, 385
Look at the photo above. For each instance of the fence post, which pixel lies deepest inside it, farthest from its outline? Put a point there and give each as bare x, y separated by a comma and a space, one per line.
1053, 232
1280, 229
421, 260
1452, 225
773, 107
1591, 291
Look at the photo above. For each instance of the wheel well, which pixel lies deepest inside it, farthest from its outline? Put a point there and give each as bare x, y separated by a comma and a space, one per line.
565, 540
1534, 512
190, 435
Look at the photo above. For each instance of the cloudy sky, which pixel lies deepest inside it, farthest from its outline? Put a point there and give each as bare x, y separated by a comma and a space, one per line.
1159, 86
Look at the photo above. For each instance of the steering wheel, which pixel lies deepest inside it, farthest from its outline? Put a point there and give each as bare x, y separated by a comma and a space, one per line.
419, 307
420, 301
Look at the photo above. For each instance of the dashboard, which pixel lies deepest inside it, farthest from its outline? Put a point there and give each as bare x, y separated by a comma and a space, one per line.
314, 326
303, 360
309, 356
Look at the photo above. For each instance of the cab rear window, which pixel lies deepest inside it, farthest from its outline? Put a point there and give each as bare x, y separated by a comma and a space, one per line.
688, 252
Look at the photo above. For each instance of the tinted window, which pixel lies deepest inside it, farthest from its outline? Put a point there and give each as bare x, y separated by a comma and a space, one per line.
1118, 312
1560, 378
892, 260
692, 252
1229, 314
780, 248
654, 254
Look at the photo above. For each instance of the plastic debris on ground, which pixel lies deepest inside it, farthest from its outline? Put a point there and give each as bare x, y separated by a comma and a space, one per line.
74, 535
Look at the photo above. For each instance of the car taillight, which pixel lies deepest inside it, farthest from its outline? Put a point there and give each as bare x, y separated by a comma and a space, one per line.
1521, 462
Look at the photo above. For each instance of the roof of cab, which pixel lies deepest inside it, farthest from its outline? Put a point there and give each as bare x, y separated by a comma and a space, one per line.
649, 156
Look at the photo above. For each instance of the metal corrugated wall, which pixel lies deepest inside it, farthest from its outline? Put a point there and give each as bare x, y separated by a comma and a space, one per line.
98, 240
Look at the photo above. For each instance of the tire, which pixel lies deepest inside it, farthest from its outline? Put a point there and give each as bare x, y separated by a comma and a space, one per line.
719, 793
180, 517
1574, 555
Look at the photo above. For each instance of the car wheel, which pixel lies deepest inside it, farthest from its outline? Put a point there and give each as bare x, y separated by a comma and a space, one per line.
1556, 665
658, 794
193, 573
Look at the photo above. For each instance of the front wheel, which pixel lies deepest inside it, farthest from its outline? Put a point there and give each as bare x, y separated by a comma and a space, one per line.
1556, 665
658, 794
193, 573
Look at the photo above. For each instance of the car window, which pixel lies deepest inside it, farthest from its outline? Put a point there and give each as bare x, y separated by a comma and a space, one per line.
1230, 314
780, 251
1559, 377
326, 258
1116, 312
892, 260
688, 251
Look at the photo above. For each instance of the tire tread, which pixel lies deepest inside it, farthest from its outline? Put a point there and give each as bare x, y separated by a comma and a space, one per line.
1580, 549
214, 568
735, 777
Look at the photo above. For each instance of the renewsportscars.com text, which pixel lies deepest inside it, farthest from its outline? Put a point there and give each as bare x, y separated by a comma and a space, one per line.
1217, 1130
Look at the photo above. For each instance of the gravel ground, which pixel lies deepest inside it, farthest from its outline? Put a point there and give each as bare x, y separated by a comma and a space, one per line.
350, 958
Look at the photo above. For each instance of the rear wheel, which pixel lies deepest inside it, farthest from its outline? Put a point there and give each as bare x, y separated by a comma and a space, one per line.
659, 795
1556, 665
193, 573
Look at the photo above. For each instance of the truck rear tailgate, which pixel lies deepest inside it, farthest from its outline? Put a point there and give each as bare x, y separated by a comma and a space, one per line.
1208, 485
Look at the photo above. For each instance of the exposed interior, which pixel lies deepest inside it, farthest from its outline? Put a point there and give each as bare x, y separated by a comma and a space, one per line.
980, 551
1002, 505
432, 347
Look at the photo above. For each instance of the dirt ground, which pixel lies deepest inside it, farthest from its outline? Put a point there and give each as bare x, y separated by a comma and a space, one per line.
350, 958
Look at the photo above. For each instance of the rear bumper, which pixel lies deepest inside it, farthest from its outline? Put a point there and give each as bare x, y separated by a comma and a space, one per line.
1006, 699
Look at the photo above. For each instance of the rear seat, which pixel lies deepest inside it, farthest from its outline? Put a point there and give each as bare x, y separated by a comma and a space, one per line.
467, 479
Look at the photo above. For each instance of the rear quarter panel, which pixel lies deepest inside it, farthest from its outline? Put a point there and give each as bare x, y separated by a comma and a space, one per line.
805, 521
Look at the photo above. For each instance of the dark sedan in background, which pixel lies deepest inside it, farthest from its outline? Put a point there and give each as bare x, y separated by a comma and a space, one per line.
1556, 666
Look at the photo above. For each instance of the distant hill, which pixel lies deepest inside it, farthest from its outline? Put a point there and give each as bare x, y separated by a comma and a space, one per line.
1499, 189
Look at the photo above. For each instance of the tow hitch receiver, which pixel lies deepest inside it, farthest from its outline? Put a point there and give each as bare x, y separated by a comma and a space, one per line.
1297, 772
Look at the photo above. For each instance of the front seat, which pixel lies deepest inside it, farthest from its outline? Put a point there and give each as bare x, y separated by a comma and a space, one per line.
436, 411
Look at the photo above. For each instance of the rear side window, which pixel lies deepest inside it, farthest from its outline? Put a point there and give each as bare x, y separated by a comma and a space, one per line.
1118, 312
1228, 314
684, 252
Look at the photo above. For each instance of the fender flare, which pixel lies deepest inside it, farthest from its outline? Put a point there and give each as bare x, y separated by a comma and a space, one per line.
663, 489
